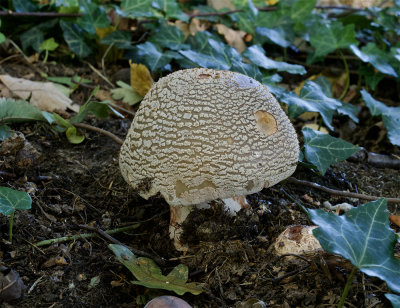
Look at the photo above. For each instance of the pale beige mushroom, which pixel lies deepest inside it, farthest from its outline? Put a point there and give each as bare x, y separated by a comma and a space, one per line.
202, 134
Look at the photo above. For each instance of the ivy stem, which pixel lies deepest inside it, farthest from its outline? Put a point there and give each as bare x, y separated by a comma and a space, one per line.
11, 227
346, 68
347, 287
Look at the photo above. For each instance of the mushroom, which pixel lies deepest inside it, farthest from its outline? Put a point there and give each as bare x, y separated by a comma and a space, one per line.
202, 134
167, 301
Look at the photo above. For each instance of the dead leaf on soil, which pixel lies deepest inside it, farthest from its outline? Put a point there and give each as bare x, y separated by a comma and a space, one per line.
43, 95
233, 38
395, 219
141, 80
197, 25
11, 285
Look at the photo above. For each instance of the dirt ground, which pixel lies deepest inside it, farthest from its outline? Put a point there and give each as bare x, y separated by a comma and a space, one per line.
75, 185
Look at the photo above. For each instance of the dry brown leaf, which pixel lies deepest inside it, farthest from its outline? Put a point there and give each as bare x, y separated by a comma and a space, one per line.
221, 4
233, 38
184, 27
141, 80
197, 25
395, 219
43, 95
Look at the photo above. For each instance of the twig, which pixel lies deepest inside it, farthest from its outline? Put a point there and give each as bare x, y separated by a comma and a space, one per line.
339, 192
272, 8
99, 130
376, 160
100, 74
39, 14
138, 252
84, 235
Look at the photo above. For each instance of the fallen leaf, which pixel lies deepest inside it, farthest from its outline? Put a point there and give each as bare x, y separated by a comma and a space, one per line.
233, 38
43, 95
11, 285
141, 80
197, 25
395, 219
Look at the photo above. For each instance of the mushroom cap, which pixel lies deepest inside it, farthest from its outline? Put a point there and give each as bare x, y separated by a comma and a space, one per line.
202, 134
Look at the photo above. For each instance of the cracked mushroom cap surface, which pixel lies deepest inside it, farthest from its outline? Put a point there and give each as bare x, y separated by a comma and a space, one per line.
202, 134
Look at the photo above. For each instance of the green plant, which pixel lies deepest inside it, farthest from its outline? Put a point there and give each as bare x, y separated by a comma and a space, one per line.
12, 200
149, 274
363, 237
48, 45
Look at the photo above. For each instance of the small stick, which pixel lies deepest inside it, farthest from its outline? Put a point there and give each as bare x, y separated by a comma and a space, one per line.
84, 235
340, 192
99, 130
39, 14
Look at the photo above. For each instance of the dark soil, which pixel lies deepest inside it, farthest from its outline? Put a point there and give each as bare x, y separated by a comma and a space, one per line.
75, 185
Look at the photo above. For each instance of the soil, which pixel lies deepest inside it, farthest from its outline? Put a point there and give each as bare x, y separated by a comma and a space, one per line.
73, 186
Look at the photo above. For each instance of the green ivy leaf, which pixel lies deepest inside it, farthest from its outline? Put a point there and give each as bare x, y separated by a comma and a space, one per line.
24, 6
153, 57
171, 9
168, 36
277, 35
372, 78
120, 39
137, 8
363, 237
74, 37
256, 55
12, 200
323, 150
49, 44
126, 93
394, 299
2, 38
379, 59
213, 57
5, 132
328, 37
300, 10
390, 116
149, 274
94, 17
32, 38
311, 98
17, 111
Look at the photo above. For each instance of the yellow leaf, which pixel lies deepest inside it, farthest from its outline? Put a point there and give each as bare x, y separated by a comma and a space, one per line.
271, 2
141, 80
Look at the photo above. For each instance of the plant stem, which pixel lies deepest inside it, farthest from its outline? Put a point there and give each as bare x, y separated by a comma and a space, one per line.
45, 57
347, 287
346, 68
84, 235
11, 227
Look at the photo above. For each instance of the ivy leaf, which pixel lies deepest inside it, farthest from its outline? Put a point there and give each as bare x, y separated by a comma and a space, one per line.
311, 98
256, 55
126, 93
137, 8
379, 59
17, 111
120, 39
276, 35
171, 9
394, 299
372, 78
153, 57
323, 150
94, 17
35, 36
390, 116
149, 274
73, 135
168, 36
362, 236
214, 56
301, 9
331, 36
74, 37
12, 200
5, 132
49, 44
24, 6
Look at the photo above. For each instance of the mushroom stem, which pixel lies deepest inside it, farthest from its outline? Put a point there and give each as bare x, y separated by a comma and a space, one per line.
235, 204
179, 213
